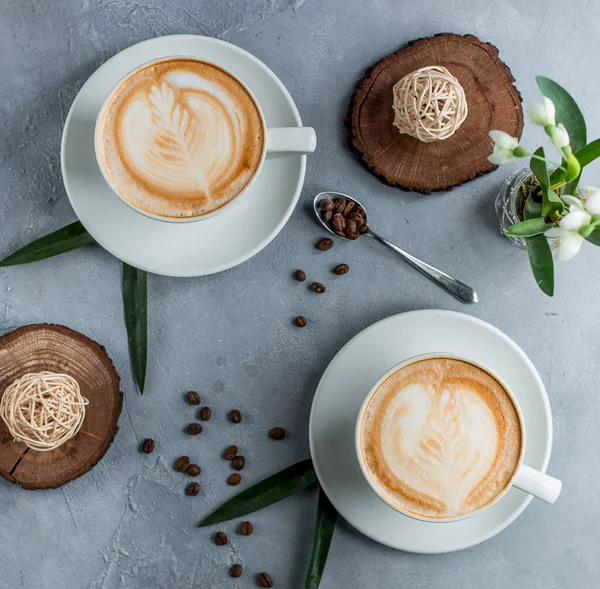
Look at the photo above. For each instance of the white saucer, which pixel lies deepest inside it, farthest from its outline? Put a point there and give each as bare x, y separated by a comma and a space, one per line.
189, 249
348, 379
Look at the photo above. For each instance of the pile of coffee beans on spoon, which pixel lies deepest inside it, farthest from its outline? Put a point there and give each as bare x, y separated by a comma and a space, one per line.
345, 218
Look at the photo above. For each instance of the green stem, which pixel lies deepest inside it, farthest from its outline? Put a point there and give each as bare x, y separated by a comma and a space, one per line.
543, 159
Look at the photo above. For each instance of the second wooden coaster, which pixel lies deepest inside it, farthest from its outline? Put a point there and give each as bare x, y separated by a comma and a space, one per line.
407, 163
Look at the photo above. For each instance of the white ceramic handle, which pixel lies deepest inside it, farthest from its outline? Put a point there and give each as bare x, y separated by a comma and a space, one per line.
291, 139
538, 484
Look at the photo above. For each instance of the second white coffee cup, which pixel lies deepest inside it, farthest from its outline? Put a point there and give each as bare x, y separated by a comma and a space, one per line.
524, 477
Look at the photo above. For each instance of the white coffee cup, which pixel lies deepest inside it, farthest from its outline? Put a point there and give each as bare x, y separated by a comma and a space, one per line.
300, 140
527, 479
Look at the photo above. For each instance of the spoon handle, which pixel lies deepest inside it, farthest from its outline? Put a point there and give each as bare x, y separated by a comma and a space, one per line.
451, 285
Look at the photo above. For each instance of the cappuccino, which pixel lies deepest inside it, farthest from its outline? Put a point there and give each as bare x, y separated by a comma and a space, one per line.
440, 438
180, 138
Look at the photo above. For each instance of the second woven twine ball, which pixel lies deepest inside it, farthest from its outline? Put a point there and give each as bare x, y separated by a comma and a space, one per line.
429, 104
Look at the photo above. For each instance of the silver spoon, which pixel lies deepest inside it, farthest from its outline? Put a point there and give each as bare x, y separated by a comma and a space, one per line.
451, 285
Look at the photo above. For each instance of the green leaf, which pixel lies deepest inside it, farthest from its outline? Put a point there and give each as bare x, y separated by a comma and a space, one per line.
324, 528
532, 209
135, 303
550, 201
594, 237
542, 264
59, 242
567, 111
268, 491
589, 153
529, 228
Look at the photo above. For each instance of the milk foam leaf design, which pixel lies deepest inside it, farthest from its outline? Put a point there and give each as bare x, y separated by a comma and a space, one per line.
453, 446
324, 528
177, 139
59, 242
135, 303
268, 491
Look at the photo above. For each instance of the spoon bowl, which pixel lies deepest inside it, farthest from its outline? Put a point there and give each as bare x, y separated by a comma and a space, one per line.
327, 195
456, 288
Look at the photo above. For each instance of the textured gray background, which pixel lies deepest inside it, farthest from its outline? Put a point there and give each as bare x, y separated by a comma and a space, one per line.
127, 523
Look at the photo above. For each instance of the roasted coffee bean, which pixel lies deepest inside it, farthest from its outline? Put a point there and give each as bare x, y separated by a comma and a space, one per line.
230, 452
193, 398
265, 580
300, 321
300, 275
148, 446
351, 227
348, 208
234, 479
194, 429
238, 462
205, 413
338, 222
235, 416
277, 433
246, 528
182, 463
363, 228
339, 205
192, 489
326, 205
318, 287
341, 233
192, 470
327, 216
221, 539
341, 269
324, 244
236, 570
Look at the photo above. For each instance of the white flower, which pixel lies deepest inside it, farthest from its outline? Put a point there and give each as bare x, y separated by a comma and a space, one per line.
561, 135
504, 147
542, 113
592, 202
567, 232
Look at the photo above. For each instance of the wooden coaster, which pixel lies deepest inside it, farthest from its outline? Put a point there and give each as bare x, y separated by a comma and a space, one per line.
35, 348
405, 162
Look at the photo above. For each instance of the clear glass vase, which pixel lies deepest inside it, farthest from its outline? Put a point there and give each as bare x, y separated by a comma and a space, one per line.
509, 202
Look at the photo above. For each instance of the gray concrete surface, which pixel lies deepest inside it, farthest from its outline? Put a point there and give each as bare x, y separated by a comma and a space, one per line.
127, 523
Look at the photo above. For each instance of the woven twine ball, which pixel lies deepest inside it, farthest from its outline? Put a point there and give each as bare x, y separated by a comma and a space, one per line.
43, 410
430, 104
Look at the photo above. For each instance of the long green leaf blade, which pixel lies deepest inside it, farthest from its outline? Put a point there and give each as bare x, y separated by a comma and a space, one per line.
61, 241
529, 228
135, 304
268, 491
586, 155
567, 111
594, 237
324, 528
532, 209
550, 200
542, 264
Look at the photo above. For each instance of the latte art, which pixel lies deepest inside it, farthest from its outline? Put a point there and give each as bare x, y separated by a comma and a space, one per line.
440, 438
180, 138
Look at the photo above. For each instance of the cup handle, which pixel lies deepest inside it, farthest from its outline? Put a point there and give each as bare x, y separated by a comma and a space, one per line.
538, 484
291, 139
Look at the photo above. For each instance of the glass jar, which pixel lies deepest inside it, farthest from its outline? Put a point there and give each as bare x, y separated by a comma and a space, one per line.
509, 203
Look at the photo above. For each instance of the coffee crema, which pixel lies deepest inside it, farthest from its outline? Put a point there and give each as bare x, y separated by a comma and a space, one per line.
440, 438
180, 138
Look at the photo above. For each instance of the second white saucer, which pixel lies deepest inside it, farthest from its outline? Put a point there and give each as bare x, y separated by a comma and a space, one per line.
347, 381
